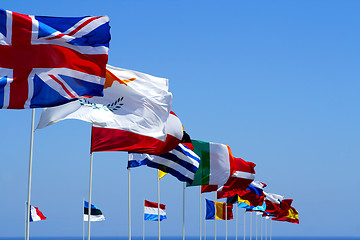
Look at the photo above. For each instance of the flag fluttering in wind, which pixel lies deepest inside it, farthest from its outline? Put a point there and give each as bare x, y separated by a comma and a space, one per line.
253, 194
49, 61
243, 175
151, 211
273, 202
180, 162
215, 162
96, 214
36, 214
223, 210
292, 216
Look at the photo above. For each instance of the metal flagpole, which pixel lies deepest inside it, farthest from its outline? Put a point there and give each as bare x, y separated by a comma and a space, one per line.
270, 228
90, 183
129, 202
27, 229
226, 221
158, 186
200, 211
236, 224
205, 223
250, 225
261, 228
244, 224
184, 185
83, 218
256, 226
144, 224
215, 212
265, 229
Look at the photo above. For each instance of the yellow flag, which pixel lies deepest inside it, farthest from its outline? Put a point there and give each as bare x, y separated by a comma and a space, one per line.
161, 174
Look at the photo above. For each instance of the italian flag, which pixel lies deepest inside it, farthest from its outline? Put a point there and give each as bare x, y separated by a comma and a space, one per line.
215, 162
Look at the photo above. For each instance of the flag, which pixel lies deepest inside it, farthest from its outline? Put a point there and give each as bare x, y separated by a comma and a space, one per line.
134, 106
105, 139
161, 174
254, 193
215, 162
243, 203
273, 202
292, 216
243, 175
151, 211
96, 214
221, 209
180, 162
35, 214
49, 61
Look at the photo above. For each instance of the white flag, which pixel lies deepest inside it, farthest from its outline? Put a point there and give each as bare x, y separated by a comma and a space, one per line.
132, 101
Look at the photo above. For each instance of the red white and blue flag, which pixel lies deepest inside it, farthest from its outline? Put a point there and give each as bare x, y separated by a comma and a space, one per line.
35, 214
152, 211
49, 61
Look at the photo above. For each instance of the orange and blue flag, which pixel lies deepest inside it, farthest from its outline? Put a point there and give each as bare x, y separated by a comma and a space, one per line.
49, 61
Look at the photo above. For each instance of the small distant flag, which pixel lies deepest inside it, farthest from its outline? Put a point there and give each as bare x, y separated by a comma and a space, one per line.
223, 210
151, 211
96, 214
35, 214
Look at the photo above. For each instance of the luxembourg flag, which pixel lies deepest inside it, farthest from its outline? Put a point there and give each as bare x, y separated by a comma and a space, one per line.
35, 214
151, 212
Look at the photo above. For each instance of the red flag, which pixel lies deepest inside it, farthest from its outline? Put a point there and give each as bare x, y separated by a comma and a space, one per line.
108, 139
291, 216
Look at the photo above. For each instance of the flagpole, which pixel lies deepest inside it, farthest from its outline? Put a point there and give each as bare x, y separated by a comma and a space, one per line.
244, 224
270, 228
83, 219
215, 214
256, 226
90, 184
204, 222
129, 202
158, 188
200, 211
30, 175
226, 221
184, 185
236, 224
261, 228
265, 229
144, 224
250, 225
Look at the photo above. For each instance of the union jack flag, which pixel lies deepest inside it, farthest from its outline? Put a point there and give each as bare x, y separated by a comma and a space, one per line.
49, 61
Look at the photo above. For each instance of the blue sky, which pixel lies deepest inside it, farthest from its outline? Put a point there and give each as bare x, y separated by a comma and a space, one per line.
278, 81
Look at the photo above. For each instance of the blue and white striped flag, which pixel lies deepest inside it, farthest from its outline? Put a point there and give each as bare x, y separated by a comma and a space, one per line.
180, 162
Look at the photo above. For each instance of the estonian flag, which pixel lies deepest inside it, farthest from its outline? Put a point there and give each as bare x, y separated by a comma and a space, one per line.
96, 214
35, 214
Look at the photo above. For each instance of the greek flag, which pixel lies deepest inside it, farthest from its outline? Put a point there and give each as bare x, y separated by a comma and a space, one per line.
180, 162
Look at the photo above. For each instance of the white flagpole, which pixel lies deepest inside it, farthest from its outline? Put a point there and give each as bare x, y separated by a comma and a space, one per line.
226, 221
90, 183
205, 223
144, 224
200, 211
265, 229
184, 185
129, 202
27, 231
236, 224
158, 186
261, 228
244, 224
215, 213
270, 228
83, 218
250, 225
256, 226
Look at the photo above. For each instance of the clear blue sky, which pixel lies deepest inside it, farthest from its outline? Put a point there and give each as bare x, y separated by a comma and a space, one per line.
278, 81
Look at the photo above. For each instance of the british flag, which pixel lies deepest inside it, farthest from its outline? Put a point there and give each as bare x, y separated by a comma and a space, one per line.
49, 61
